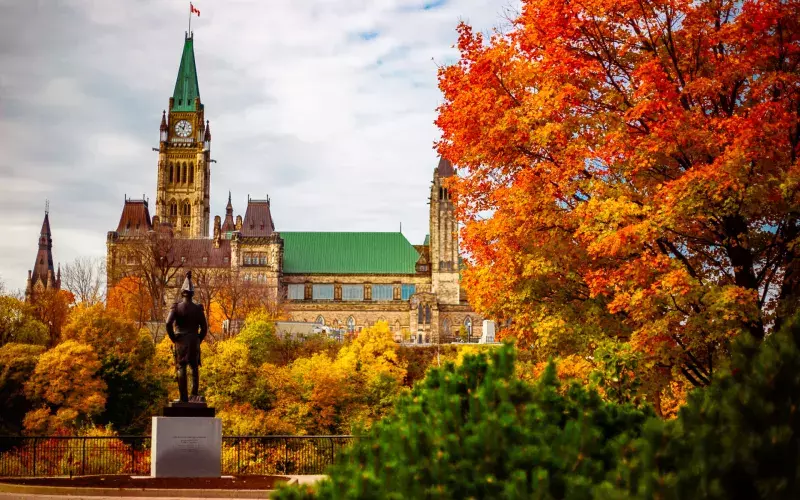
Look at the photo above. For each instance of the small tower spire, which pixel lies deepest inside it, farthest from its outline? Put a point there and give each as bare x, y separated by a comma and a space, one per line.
228, 224
164, 130
43, 272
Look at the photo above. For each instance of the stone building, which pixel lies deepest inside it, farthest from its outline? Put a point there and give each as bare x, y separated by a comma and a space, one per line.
43, 276
346, 280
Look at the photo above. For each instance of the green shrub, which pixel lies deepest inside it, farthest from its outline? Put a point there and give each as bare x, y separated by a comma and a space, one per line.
739, 438
476, 431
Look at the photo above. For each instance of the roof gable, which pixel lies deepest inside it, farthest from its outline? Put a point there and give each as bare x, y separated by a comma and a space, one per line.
347, 253
257, 219
135, 219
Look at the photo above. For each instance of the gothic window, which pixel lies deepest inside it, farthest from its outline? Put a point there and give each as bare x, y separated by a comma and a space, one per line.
320, 321
427, 315
183, 177
351, 324
173, 209
397, 325
191, 173
420, 316
171, 172
446, 327
187, 209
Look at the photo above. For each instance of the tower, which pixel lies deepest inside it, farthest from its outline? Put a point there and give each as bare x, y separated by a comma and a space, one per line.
43, 276
184, 154
444, 238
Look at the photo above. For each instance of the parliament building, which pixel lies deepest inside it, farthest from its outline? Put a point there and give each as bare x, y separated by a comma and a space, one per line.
345, 280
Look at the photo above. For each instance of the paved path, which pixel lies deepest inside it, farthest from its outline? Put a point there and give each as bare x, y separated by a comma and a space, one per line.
310, 479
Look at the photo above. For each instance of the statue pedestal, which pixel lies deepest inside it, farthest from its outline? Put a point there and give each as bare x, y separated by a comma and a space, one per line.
190, 409
186, 446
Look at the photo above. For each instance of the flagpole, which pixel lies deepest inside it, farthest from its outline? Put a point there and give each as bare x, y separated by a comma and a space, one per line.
190, 20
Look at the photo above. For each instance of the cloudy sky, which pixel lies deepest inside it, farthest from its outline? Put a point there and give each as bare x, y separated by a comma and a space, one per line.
325, 106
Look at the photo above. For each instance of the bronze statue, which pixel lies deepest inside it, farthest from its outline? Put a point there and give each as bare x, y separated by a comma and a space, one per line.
189, 320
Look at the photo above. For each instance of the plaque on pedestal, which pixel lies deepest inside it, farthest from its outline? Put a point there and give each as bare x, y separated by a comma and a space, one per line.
186, 447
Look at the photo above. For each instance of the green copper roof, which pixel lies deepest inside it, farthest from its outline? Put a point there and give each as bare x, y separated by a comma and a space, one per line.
347, 253
427, 240
186, 87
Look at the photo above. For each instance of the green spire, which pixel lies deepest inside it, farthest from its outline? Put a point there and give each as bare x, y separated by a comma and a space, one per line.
186, 87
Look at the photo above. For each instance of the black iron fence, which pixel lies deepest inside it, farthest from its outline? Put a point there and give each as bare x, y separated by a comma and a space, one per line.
241, 455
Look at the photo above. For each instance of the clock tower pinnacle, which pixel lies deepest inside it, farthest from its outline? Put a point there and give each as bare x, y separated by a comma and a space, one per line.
184, 166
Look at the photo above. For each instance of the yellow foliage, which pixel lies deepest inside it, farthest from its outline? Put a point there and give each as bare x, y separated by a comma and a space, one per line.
572, 367
65, 377
373, 352
103, 329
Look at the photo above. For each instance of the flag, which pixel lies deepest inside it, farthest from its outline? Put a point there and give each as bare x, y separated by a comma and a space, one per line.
192, 10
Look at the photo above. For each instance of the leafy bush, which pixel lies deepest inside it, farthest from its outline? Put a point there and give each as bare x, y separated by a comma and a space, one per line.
477, 431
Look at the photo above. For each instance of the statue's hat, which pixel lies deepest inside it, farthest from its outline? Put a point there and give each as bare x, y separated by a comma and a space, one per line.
188, 287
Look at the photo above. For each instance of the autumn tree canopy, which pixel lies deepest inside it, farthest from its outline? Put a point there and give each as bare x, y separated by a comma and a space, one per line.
629, 168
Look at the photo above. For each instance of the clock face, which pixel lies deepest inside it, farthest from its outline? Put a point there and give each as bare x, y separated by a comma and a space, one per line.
183, 128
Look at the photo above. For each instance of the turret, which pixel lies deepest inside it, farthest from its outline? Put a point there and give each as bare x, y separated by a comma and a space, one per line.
164, 128
444, 237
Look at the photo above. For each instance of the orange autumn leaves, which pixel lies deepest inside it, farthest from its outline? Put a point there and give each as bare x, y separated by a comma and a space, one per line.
630, 169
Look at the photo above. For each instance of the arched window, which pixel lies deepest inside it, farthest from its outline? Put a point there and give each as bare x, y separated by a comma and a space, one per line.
183, 178
397, 326
351, 324
187, 209
427, 315
446, 327
191, 173
468, 326
420, 316
173, 209
171, 172
320, 320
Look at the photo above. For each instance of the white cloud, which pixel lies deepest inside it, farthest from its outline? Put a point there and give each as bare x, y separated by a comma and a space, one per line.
327, 106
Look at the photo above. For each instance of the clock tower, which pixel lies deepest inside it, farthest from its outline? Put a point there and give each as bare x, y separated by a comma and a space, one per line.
184, 154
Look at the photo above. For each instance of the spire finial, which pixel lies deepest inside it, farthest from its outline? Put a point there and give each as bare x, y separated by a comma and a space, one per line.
46, 207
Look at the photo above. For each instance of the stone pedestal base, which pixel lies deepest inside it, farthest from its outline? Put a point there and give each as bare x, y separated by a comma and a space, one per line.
190, 409
186, 447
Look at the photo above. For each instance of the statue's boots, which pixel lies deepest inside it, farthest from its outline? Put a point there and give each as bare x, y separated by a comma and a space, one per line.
182, 385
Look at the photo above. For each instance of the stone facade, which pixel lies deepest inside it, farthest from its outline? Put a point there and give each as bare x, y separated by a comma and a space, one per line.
344, 280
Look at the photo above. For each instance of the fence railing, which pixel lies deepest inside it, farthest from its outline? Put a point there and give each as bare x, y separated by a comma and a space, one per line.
241, 455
